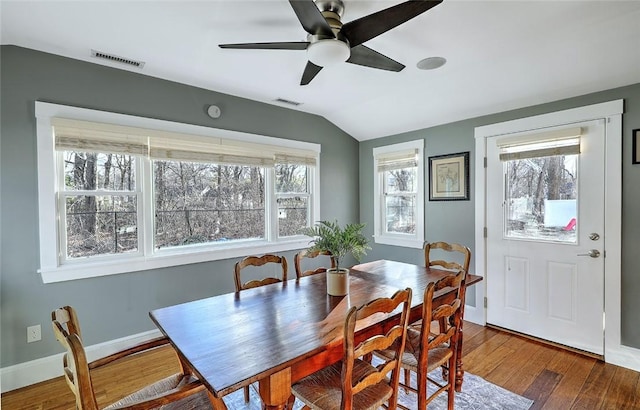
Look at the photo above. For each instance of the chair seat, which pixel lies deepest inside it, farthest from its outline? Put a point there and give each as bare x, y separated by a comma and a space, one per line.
322, 390
437, 356
194, 401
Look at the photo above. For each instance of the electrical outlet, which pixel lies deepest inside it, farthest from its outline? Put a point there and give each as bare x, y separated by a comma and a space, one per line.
34, 333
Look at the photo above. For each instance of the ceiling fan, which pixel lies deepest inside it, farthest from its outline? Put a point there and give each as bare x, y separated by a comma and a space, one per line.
330, 41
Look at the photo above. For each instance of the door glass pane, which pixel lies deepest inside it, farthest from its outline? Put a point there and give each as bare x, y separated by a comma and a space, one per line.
541, 198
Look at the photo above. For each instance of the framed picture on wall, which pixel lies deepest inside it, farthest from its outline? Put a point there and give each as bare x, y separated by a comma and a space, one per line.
635, 135
449, 177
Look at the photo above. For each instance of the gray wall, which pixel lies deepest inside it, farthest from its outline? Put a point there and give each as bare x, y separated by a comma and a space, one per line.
116, 306
454, 221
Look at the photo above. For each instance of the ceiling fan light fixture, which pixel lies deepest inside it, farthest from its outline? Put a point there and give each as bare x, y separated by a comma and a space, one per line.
328, 52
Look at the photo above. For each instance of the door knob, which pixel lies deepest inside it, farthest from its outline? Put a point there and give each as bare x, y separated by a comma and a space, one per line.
594, 253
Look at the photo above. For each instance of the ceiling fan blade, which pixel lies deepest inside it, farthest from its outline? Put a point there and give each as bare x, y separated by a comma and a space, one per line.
292, 45
310, 71
365, 28
363, 55
311, 18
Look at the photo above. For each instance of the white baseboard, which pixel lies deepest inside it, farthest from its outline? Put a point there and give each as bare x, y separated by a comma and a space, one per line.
46, 368
623, 356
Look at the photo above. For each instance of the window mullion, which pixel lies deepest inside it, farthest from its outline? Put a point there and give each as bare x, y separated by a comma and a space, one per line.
146, 207
270, 205
62, 228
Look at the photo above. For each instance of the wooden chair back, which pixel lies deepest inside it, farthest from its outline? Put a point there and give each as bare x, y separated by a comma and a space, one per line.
67, 317
259, 261
392, 340
463, 251
181, 389
74, 361
441, 348
298, 261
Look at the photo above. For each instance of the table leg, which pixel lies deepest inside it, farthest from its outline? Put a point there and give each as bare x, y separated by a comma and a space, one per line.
275, 390
217, 402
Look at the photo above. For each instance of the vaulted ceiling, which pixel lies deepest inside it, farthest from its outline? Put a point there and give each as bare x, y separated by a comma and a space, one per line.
500, 55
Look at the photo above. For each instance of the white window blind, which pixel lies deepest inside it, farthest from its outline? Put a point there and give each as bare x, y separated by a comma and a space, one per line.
397, 160
91, 136
559, 142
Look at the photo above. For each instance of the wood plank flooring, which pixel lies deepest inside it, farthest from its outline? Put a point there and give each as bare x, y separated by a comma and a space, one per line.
553, 377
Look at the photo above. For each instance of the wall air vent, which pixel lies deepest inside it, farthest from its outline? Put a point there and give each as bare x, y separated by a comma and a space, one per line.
117, 59
283, 101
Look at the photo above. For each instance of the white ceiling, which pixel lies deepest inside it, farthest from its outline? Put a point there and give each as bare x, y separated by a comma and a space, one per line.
501, 54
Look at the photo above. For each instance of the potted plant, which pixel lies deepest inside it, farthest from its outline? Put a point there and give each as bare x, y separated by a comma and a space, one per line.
330, 237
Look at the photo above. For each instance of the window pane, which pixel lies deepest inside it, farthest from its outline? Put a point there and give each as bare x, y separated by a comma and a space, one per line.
541, 198
196, 203
401, 180
292, 215
92, 171
399, 211
101, 225
291, 178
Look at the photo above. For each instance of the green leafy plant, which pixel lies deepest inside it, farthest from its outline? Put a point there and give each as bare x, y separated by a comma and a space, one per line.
329, 236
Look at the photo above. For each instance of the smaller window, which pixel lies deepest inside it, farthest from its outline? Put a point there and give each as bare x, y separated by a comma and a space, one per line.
399, 193
293, 198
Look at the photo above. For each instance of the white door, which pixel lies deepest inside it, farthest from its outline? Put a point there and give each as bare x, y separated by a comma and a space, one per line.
545, 234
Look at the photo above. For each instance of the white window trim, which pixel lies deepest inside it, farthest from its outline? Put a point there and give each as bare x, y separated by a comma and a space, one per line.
405, 240
50, 268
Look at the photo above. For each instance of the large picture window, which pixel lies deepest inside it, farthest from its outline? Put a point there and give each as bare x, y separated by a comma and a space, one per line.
399, 193
121, 193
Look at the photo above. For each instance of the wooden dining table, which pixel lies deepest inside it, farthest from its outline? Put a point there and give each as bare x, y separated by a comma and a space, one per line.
277, 334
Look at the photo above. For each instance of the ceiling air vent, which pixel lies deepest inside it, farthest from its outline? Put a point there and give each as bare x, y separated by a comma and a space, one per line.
282, 100
117, 59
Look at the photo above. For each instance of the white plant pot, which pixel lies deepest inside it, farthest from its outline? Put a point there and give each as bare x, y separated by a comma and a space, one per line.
338, 282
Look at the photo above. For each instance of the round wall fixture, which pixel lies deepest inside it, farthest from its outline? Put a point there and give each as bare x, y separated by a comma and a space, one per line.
431, 63
214, 111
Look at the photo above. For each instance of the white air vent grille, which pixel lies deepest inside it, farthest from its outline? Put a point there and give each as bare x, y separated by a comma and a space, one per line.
117, 59
282, 100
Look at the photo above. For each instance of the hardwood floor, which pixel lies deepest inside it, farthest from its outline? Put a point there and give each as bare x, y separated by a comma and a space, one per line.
553, 377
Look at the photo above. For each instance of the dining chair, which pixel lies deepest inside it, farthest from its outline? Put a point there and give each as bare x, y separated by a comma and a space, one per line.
257, 261
260, 261
179, 391
354, 383
459, 260
426, 350
300, 257
463, 256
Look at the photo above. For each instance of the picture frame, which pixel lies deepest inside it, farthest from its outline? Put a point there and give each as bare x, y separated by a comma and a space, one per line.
635, 137
449, 177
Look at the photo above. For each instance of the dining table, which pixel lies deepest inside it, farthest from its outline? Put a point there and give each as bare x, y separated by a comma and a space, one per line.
279, 333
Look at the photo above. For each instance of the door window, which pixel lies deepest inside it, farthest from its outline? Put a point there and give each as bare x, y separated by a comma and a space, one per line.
541, 195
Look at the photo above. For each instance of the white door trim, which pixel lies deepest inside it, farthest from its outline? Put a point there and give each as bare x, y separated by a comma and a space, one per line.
612, 112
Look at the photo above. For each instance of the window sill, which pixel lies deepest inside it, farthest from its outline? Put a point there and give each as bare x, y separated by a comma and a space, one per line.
395, 241
163, 259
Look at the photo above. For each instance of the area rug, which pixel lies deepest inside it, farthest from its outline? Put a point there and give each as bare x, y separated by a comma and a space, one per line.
476, 394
